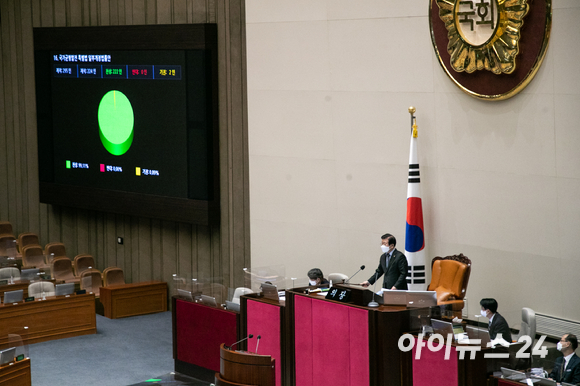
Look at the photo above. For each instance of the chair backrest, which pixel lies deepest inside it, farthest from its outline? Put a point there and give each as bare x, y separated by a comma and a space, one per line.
6, 228
528, 326
451, 273
113, 276
33, 256
27, 238
9, 272
54, 250
82, 263
7, 245
62, 270
239, 292
91, 281
337, 277
36, 289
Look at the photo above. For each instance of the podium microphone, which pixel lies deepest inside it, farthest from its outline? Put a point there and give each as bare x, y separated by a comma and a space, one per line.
373, 303
257, 343
360, 269
241, 340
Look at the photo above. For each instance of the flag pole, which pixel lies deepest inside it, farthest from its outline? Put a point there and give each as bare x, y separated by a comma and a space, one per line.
414, 235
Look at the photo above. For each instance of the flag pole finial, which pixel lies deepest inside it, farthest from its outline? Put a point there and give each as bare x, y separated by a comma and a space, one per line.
412, 110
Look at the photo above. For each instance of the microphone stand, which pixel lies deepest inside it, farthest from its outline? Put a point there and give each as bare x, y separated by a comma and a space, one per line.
360, 269
373, 303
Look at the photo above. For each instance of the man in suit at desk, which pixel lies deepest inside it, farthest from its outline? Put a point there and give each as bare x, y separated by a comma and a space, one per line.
567, 367
393, 264
497, 323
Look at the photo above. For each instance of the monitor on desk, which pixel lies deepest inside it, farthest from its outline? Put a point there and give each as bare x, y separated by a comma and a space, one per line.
232, 306
544, 381
394, 297
29, 274
7, 356
13, 296
185, 294
64, 289
513, 375
442, 327
270, 291
421, 298
209, 300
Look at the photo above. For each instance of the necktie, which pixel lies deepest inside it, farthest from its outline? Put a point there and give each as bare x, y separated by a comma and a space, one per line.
388, 259
562, 369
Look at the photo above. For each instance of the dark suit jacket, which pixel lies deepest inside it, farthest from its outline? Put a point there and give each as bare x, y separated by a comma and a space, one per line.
571, 372
499, 325
395, 273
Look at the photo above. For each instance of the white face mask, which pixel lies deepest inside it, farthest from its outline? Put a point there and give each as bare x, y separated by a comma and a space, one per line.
484, 313
559, 346
312, 282
385, 248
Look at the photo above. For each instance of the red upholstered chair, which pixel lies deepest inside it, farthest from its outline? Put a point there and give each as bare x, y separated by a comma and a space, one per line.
54, 250
62, 270
25, 239
91, 281
449, 277
82, 263
113, 276
33, 257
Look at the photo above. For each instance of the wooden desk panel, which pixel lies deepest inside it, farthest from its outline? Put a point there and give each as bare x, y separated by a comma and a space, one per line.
17, 374
120, 301
53, 318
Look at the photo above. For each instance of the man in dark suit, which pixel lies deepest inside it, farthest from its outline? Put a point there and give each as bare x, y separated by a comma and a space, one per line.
497, 323
393, 264
567, 367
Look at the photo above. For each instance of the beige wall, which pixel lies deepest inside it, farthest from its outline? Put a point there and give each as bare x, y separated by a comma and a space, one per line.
152, 249
329, 84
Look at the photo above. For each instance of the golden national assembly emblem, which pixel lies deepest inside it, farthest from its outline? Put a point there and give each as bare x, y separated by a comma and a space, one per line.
491, 49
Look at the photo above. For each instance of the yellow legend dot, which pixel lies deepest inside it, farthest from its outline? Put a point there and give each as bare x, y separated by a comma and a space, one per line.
138, 171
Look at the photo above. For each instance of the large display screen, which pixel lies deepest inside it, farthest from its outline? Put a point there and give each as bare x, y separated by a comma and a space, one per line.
127, 126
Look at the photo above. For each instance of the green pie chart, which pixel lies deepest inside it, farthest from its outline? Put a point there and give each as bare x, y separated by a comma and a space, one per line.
116, 121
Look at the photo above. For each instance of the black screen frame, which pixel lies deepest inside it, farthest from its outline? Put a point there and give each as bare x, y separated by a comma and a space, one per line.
174, 37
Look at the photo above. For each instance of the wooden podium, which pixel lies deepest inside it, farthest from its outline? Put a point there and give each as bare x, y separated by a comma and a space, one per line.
245, 369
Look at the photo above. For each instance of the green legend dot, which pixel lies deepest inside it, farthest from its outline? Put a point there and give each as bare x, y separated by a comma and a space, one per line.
116, 120
67, 164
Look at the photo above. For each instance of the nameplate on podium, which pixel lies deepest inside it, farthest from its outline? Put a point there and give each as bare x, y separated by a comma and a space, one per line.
339, 294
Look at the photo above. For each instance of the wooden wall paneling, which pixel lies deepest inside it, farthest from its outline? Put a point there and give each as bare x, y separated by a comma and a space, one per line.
119, 248
85, 11
150, 12
239, 175
195, 235
7, 12
144, 250
164, 12
75, 13
127, 245
110, 241
36, 13
113, 12
4, 180
46, 14
18, 112
68, 234
169, 250
128, 11
82, 229
157, 257
185, 235
179, 12
94, 17
204, 268
138, 11
197, 11
29, 119
59, 9
132, 271
104, 15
